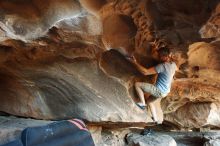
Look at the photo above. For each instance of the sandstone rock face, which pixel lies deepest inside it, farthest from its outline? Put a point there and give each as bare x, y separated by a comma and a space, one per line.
76, 88
93, 6
195, 115
61, 59
27, 20
118, 32
211, 28
204, 56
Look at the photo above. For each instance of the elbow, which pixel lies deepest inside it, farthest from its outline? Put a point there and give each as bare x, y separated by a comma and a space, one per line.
144, 73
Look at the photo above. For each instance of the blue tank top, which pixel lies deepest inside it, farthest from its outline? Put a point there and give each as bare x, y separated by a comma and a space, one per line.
165, 72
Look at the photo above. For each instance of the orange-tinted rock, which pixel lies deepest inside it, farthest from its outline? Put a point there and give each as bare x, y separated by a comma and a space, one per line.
212, 27
118, 32
66, 89
68, 69
195, 115
204, 56
27, 20
93, 6
190, 90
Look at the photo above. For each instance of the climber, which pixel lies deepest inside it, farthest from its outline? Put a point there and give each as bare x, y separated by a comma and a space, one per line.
165, 70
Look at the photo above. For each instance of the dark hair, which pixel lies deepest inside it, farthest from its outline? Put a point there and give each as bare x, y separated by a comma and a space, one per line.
164, 51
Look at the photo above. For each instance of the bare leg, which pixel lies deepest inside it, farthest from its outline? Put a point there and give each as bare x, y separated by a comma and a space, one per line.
141, 88
153, 111
140, 92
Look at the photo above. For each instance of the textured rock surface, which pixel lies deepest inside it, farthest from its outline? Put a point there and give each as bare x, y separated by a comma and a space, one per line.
105, 137
56, 62
195, 115
213, 143
118, 31
150, 140
77, 88
31, 19
211, 28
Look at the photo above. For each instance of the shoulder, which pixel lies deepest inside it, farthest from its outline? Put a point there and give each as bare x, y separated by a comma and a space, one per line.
173, 64
160, 67
170, 65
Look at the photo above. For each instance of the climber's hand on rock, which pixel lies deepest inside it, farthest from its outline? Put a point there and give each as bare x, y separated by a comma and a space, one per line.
131, 59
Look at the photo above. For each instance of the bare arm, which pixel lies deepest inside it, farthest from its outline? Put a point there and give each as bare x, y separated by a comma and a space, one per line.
143, 70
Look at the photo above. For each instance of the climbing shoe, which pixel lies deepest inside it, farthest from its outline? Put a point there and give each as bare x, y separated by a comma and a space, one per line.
141, 106
147, 132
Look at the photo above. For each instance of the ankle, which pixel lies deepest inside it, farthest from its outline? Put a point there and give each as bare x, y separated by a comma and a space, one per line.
154, 119
141, 104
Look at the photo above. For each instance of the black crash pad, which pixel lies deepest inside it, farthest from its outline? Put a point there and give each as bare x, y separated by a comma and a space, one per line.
64, 133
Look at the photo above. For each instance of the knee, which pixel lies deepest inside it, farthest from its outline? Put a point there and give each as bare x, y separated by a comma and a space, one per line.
151, 100
137, 84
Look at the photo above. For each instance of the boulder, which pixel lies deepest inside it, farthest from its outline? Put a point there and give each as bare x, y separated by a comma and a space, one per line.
195, 115
215, 142
69, 89
150, 140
